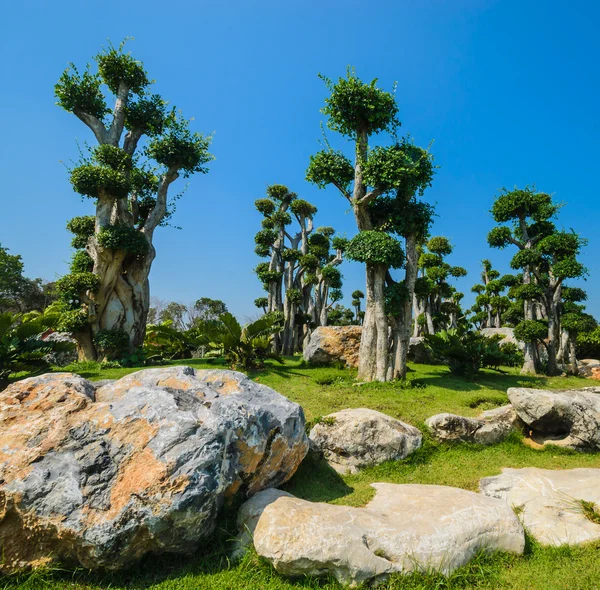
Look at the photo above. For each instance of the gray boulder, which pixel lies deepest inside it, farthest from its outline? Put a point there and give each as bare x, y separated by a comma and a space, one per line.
404, 528
418, 352
142, 465
489, 428
549, 501
61, 359
359, 437
328, 344
568, 418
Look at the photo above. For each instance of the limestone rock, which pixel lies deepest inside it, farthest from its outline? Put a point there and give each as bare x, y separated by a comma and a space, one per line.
569, 418
589, 368
104, 476
548, 501
330, 344
359, 437
418, 352
61, 359
489, 428
508, 335
404, 528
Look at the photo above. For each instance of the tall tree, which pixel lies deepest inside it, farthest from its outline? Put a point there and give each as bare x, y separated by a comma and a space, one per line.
142, 148
359, 111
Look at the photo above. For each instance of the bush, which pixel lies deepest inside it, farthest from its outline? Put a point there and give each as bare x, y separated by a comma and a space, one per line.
466, 352
588, 344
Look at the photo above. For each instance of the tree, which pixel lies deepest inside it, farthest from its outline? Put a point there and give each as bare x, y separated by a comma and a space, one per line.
358, 111
357, 297
301, 277
491, 303
11, 275
208, 310
142, 148
436, 301
546, 258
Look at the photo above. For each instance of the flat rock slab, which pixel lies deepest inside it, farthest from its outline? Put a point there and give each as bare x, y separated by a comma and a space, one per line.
490, 427
356, 438
547, 500
103, 476
566, 418
403, 529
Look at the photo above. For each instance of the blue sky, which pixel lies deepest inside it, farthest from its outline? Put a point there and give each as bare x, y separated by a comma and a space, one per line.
507, 90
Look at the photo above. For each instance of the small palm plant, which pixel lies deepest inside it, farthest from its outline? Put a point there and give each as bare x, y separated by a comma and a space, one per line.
247, 347
22, 348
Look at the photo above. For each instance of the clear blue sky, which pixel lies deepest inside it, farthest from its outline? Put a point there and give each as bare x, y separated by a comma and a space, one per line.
509, 91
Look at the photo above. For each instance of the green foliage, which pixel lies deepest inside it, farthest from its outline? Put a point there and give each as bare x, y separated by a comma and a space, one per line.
247, 347
376, 247
113, 157
148, 115
265, 238
265, 206
81, 92
513, 355
466, 352
339, 243
81, 261
523, 204
332, 276
525, 257
82, 228
21, 346
11, 275
354, 106
294, 295
440, 245
402, 166
309, 262
126, 239
578, 323
499, 237
112, 344
302, 208
180, 149
73, 320
265, 275
588, 344
358, 294
531, 330
73, 285
261, 302
116, 67
280, 193
330, 167
289, 254
95, 181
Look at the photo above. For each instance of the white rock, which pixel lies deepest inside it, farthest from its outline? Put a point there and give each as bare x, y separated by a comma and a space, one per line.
490, 427
359, 437
548, 501
404, 528
568, 418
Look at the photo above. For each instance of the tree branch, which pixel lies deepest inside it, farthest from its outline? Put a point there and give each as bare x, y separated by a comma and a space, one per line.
97, 127
160, 208
131, 140
116, 127
371, 196
342, 190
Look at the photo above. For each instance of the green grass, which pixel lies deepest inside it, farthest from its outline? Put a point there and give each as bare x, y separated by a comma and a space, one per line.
427, 391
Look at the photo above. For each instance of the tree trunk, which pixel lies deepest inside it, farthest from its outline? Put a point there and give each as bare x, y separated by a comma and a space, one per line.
531, 363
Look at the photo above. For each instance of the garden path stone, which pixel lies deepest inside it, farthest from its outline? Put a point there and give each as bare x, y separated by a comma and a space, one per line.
359, 437
404, 528
490, 427
568, 418
142, 465
548, 501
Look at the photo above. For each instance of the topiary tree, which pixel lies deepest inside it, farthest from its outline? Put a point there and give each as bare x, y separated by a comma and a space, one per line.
436, 300
357, 297
142, 148
359, 111
524, 217
491, 303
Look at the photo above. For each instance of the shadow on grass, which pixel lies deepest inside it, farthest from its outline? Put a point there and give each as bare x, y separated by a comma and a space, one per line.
316, 481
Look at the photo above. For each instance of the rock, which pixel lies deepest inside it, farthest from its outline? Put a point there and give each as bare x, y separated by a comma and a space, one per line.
508, 335
102, 383
569, 418
548, 501
589, 368
141, 465
61, 359
418, 352
356, 438
489, 428
330, 344
404, 528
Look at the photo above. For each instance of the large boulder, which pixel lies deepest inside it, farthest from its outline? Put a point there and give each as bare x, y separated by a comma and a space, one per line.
589, 368
356, 438
403, 529
489, 428
569, 418
507, 334
549, 501
104, 476
61, 359
330, 344
418, 351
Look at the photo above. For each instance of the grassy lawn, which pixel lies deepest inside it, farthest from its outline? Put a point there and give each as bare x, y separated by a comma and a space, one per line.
428, 390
